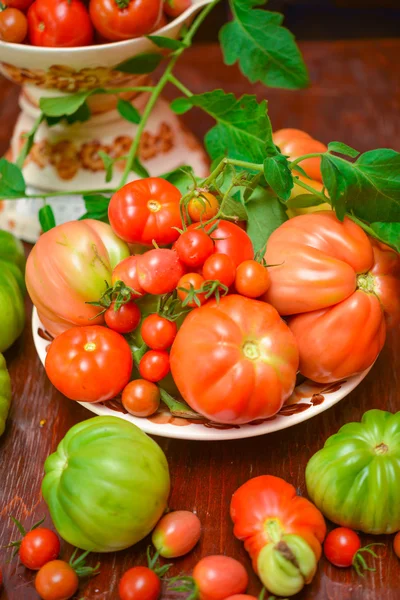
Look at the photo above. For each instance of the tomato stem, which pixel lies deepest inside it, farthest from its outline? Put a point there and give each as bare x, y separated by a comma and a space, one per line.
178, 408
359, 563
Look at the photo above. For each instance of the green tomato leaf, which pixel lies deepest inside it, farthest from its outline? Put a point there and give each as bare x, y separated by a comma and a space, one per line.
234, 207
165, 42
304, 201
65, 105
47, 219
265, 214
96, 207
344, 149
369, 187
128, 111
182, 178
181, 105
12, 182
140, 64
389, 233
243, 127
139, 168
265, 50
278, 175
108, 164
81, 115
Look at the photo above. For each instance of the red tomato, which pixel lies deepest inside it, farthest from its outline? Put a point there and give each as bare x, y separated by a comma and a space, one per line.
89, 364
126, 271
13, 25
176, 534
346, 286
341, 545
252, 279
159, 271
242, 597
248, 359
125, 19
191, 282
38, 547
139, 583
141, 398
203, 208
123, 320
56, 580
295, 143
59, 23
220, 267
146, 210
157, 332
174, 8
154, 365
396, 544
219, 576
230, 239
20, 4
193, 247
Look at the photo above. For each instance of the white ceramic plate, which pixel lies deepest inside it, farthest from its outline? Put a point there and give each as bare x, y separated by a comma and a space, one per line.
308, 399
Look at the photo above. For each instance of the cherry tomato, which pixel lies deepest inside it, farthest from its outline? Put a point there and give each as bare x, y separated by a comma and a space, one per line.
39, 547
59, 23
126, 271
220, 267
159, 271
252, 279
396, 544
176, 533
340, 546
229, 239
56, 580
13, 25
141, 398
123, 320
154, 365
204, 207
191, 281
158, 333
20, 4
193, 247
174, 8
139, 583
295, 143
89, 364
125, 19
146, 210
218, 577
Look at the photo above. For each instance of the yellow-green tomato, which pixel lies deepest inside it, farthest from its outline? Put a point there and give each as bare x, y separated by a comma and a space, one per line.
355, 478
177, 533
107, 485
5, 393
70, 266
285, 567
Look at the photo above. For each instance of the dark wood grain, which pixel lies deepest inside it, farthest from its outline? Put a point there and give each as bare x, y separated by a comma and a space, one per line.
354, 98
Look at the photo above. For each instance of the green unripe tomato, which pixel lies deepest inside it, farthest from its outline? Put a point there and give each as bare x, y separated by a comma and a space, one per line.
355, 478
5, 393
12, 289
285, 567
107, 485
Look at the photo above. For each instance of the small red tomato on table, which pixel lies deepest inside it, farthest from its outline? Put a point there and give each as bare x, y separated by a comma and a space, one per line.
59, 23
37, 547
176, 533
13, 25
342, 547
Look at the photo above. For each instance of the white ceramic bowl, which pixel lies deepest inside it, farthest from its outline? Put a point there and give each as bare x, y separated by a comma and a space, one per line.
308, 399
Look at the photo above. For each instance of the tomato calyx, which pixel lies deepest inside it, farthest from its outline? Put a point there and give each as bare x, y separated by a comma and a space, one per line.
169, 307
251, 350
184, 584
122, 3
359, 563
366, 283
381, 448
79, 566
153, 564
17, 543
209, 288
117, 294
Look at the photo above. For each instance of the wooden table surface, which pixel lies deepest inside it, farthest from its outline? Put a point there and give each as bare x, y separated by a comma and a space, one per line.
354, 98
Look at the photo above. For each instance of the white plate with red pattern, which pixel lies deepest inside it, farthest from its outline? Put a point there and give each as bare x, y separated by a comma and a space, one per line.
308, 399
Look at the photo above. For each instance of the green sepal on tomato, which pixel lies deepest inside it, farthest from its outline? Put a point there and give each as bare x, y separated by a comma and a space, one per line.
355, 478
281, 531
93, 473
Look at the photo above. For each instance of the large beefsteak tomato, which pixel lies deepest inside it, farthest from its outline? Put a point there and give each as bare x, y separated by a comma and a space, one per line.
107, 485
69, 266
282, 532
355, 478
246, 360
342, 289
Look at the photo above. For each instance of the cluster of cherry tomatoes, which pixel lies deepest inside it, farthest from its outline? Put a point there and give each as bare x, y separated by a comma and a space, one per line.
68, 23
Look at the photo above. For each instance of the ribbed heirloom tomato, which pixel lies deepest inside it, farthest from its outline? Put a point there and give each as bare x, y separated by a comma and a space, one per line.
346, 286
124, 19
59, 23
248, 360
146, 210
